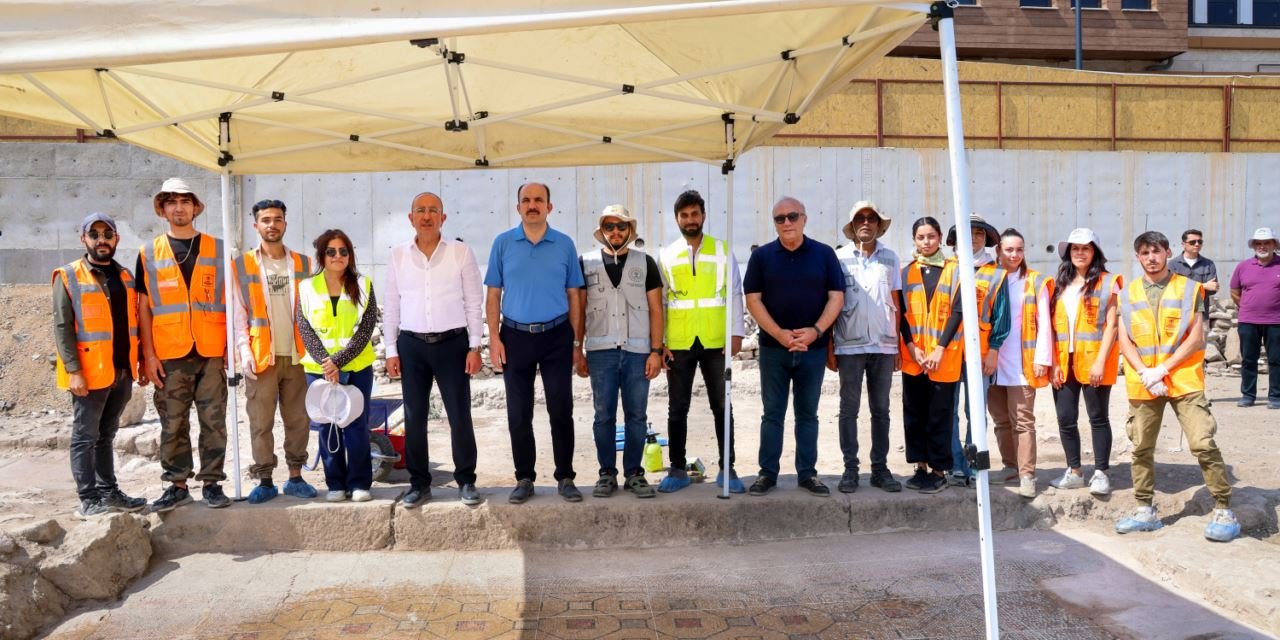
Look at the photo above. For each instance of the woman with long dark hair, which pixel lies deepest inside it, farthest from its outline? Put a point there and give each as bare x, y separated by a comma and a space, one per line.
1086, 358
930, 356
1022, 364
336, 316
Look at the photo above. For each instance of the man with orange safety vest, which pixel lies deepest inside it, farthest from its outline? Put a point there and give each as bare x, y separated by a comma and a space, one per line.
1163, 347
182, 319
96, 334
270, 351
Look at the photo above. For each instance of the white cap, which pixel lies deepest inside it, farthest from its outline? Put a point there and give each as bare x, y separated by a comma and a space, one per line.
1262, 233
1078, 236
176, 185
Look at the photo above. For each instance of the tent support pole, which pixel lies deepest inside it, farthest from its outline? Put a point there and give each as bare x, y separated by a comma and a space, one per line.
228, 272
726, 462
942, 15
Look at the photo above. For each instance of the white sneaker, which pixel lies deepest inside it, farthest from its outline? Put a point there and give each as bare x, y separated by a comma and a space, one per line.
1069, 480
361, 495
335, 496
1099, 484
1027, 487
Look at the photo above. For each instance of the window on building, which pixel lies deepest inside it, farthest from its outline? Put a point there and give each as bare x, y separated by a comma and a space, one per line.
1088, 4
1038, 4
967, 3
1266, 13
1136, 5
1222, 12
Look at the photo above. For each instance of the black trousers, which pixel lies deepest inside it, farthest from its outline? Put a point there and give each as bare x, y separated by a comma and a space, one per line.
551, 354
928, 408
681, 371
1097, 405
444, 363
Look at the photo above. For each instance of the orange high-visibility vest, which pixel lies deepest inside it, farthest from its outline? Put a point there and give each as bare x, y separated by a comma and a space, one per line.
94, 329
928, 319
987, 279
249, 276
1091, 321
182, 317
1158, 332
1031, 286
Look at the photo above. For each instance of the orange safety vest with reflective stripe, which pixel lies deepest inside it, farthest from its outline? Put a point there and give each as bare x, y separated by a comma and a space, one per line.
1031, 286
1158, 332
94, 328
1091, 321
927, 320
987, 279
181, 317
249, 277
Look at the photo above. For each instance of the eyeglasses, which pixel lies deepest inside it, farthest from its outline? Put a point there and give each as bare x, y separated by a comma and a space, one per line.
268, 204
787, 217
858, 220
1195, 242
609, 227
106, 235
333, 252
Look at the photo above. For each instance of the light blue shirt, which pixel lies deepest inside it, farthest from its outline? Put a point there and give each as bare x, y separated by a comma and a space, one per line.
868, 323
533, 277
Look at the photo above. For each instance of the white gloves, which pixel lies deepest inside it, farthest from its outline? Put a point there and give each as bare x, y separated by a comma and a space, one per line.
1153, 380
247, 364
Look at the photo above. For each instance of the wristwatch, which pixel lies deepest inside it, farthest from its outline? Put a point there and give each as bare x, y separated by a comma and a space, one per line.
577, 343
656, 350
474, 349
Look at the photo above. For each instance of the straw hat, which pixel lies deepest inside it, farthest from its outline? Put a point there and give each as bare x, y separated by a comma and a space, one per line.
620, 212
866, 205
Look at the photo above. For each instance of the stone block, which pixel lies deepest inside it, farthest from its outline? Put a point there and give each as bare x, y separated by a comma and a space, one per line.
1212, 354
1231, 351
43, 532
28, 601
99, 558
136, 408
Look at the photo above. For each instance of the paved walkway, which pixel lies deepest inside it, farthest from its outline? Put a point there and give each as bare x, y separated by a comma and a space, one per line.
903, 585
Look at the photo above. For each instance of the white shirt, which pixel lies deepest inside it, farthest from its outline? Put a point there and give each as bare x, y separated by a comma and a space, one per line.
1009, 371
240, 309
431, 296
871, 283
1071, 302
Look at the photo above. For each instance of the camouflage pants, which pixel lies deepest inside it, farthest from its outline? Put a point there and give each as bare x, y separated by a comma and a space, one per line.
203, 382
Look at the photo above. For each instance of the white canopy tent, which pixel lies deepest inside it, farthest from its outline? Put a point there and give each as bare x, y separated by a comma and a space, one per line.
290, 86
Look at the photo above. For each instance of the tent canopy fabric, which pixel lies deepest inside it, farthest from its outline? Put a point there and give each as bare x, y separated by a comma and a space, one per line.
369, 86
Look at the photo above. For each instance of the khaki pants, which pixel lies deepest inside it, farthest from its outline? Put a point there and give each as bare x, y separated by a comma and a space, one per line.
1192, 410
1013, 411
283, 385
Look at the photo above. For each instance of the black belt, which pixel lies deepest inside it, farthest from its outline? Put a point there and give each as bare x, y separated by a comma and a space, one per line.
537, 327
432, 338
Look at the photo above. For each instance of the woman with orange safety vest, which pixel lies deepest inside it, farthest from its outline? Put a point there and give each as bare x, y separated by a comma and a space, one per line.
930, 352
1022, 364
1086, 357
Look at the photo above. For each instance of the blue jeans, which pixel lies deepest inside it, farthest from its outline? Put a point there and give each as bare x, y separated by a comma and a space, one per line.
959, 463
349, 466
779, 369
615, 371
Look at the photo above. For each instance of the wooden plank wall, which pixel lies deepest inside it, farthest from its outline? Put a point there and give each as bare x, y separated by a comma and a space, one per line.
1002, 28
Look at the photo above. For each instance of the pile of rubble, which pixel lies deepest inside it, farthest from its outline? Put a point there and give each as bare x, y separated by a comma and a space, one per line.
1222, 350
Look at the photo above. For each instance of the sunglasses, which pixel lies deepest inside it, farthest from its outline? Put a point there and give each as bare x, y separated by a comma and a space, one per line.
787, 217
866, 220
1195, 242
609, 227
335, 252
105, 235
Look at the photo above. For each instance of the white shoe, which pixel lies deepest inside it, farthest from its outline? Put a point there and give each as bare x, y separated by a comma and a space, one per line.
1099, 484
335, 496
1069, 480
1027, 487
361, 495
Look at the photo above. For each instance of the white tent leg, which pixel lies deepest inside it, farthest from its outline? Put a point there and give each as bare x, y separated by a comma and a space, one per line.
726, 463
233, 402
968, 298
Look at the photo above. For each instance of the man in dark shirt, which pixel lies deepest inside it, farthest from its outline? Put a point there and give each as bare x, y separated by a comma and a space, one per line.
795, 290
100, 384
1191, 264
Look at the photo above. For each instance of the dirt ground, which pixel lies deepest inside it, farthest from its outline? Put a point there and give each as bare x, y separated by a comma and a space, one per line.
27, 353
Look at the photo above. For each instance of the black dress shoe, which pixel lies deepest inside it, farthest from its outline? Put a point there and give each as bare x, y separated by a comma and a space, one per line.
415, 497
522, 492
815, 487
762, 485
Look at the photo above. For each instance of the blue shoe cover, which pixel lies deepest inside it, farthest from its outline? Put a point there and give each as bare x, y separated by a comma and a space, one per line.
735, 485
261, 494
1141, 521
672, 484
299, 489
1222, 528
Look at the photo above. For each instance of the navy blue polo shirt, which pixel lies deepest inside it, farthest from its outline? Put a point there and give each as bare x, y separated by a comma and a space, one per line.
793, 285
533, 277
